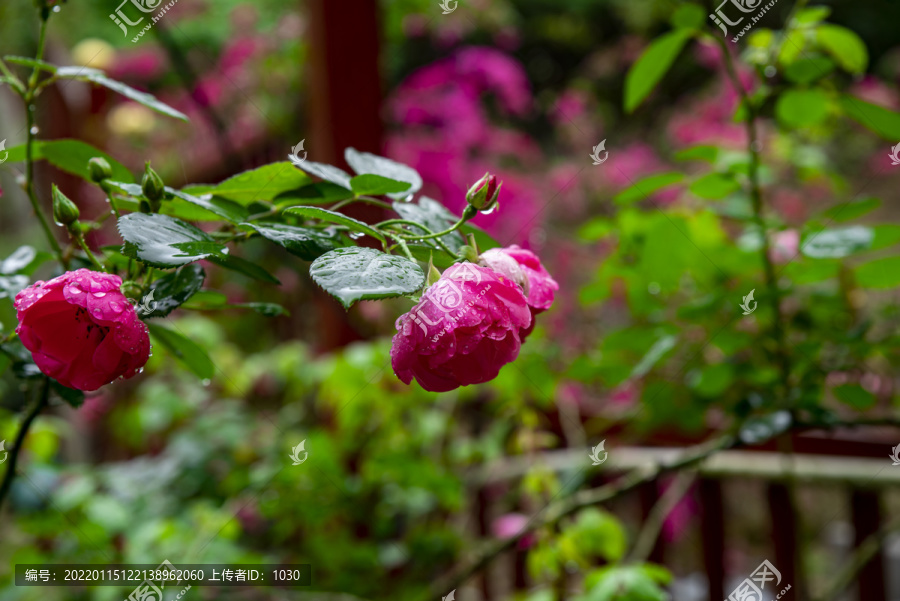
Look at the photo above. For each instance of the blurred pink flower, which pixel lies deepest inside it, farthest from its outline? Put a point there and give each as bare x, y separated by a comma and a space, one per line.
785, 246
509, 525
141, 65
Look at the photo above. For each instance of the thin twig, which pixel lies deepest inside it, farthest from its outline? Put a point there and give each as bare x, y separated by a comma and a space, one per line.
643, 546
20, 439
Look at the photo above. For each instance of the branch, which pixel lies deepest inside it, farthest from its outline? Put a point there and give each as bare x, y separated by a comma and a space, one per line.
585, 498
864, 553
20, 439
643, 546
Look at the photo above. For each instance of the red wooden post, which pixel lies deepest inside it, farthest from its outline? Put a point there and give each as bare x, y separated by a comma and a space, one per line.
866, 521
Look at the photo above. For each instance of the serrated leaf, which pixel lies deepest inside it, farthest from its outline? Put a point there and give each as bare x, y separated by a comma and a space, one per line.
261, 184
164, 241
71, 156
174, 289
836, 243
100, 79
305, 242
358, 273
646, 187
332, 217
185, 350
329, 173
365, 163
227, 210
652, 66
882, 121
433, 215
376, 185
844, 46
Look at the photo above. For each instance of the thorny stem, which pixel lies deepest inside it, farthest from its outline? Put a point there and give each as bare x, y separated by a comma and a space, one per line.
20, 439
757, 202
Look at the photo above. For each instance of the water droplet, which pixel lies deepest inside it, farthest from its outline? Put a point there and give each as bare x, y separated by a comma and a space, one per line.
99, 294
74, 290
34, 130
770, 71
205, 381
355, 235
489, 211
56, 9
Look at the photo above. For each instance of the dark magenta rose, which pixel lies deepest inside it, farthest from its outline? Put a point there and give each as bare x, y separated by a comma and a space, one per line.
524, 267
81, 330
463, 330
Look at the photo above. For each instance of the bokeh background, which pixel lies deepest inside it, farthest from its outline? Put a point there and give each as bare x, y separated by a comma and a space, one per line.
645, 347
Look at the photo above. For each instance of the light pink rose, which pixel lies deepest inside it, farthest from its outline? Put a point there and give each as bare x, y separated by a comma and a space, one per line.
81, 330
463, 330
524, 268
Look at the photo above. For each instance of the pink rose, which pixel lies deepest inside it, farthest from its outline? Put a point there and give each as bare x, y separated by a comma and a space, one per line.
464, 329
511, 524
524, 268
81, 330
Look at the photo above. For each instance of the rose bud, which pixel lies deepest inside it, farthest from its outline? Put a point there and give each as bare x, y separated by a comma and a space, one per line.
524, 267
152, 186
463, 330
64, 210
81, 330
99, 169
483, 195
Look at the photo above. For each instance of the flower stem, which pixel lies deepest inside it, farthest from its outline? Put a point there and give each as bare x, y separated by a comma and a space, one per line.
88, 252
402, 244
20, 439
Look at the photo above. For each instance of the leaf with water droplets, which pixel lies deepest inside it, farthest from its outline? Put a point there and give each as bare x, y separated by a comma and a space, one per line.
332, 217
367, 163
433, 215
356, 273
97, 77
185, 350
305, 242
173, 289
164, 241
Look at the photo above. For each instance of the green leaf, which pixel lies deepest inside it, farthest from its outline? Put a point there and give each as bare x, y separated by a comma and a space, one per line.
714, 186
26, 61
653, 64
882, 121
97, 77
376, 185
622, 583
265, 309
688, 16
261, 184
886, 234
317, 193
851, 210
329, 173
644, 188
163, 241
357, 273
243, 266
855, 396
364, 163
225, 209
880, 273
712, 381
844, 46
185, 350
332, 217
433, 215
812, 15
802, 108
305, 242
174, 289
757, 430
812, 271
71, 156
73, 397
836, 243
808, 70
698, 153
